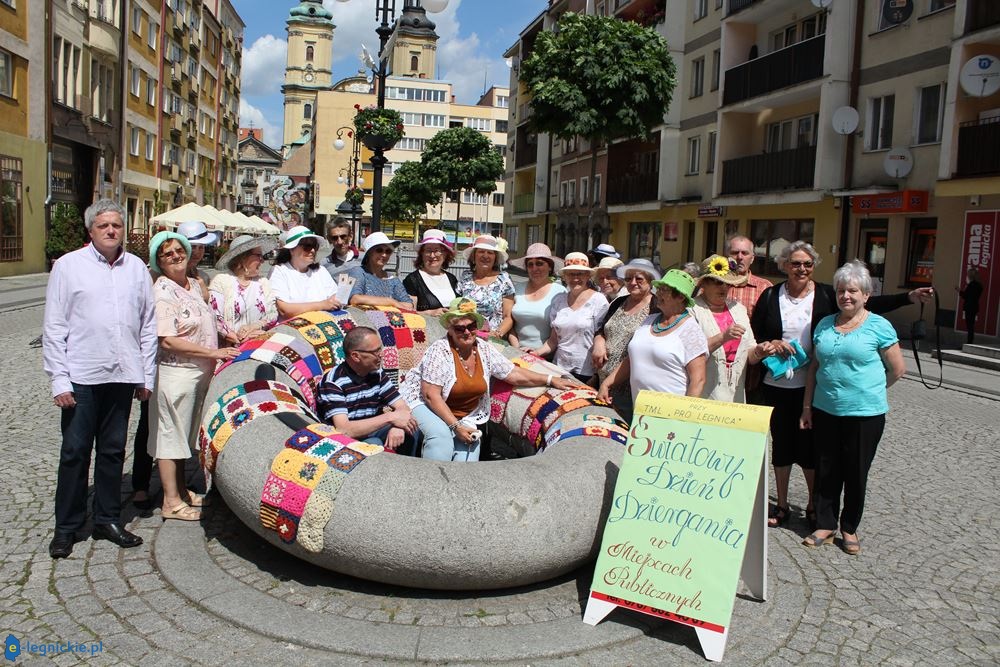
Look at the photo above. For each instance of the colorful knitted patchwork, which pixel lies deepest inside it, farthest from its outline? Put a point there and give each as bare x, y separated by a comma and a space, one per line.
240, 405
301, 489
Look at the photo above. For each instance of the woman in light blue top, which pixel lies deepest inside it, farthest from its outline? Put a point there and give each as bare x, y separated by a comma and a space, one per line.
533, 306
856, 358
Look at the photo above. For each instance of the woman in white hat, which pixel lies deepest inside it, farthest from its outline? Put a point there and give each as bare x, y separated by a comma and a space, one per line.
606, 278
298, 282
431, 284
490, 287
243, 301
625, 315
533, 306
731, 344
198, 238
575, 318
374, 285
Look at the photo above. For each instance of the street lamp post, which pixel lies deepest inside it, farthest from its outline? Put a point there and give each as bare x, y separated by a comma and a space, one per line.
385, 15
349, 174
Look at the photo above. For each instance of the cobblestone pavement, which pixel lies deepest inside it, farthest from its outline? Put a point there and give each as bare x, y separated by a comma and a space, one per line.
923, 591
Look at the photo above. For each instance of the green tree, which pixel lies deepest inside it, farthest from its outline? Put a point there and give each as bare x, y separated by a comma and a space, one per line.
408, 194
67, 232
599, 78
461, 158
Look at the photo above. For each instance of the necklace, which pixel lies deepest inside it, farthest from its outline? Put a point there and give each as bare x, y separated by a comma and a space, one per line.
659, 328
466, 364
852, 323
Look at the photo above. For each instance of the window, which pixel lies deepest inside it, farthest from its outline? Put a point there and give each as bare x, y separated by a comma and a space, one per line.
410, 118
135, 81
433, 120
700, 9
770, 236
481, 124
151, 91
597, 189
880, 110
137, 21
503, 101
470, 197
6, 74
500, 148
936, 5
694, 155
643, 240
11, 235
792, 133
501, 126
10, 3
697, 77
712, 139
498, 199
411, 144
150, 146
307, 111
133, 146
414, 62
151, 30
716, 64
930, 113
584, 187
309, 53
920, 259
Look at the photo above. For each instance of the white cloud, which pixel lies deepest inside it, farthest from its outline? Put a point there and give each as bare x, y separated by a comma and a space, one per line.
264, 65
249, 114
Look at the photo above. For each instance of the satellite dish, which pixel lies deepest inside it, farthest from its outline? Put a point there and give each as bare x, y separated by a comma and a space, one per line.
980, 76
845, 120
822, 4
898, 163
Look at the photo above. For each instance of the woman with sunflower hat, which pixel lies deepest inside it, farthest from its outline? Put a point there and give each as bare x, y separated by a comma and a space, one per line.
726, 325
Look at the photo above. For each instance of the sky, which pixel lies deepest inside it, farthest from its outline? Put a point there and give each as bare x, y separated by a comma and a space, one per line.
473, 37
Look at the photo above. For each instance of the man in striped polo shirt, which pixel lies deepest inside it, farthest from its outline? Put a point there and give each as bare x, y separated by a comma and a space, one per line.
358, 398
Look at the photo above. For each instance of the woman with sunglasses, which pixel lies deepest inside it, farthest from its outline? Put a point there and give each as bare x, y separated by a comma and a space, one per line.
374, 285
533, 307
242, 300
298, 281
449, 391
785, 314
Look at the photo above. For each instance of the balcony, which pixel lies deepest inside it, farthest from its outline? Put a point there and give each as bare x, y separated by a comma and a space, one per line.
982, 14
633, 188
978, 148
524, 203
789, 66
783, 170
736, 6
525, 148
103, 35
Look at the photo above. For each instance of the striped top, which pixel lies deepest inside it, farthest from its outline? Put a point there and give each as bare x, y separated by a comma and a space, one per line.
342, 391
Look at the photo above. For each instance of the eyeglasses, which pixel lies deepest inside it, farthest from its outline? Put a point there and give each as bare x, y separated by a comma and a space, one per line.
801, 265
338, 237
172, 253
638, 280
382, 249
377, 351
464, 328
309, 246
431, 251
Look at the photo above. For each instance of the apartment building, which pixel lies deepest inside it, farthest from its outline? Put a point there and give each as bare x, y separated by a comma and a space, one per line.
258, 164
761, 140
182, 105
24, 115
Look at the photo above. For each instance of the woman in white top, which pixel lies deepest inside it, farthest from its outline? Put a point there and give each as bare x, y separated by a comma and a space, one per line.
298, 281
533, 306
430, 284
725, 322
575, 318
668, 352
243, 301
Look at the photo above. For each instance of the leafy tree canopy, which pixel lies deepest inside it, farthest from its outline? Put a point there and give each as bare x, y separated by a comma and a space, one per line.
461, 158
408, 193
67, 233
598, 77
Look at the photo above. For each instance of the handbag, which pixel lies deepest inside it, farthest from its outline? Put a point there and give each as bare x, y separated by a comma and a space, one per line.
779, 366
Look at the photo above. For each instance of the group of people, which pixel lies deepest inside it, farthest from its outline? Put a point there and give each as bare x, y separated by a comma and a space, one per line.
115, 329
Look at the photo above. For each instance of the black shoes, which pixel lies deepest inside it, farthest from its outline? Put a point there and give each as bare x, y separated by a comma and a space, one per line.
112, 532
61, 545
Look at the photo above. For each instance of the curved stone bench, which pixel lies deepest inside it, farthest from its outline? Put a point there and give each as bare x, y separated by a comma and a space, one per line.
354, 509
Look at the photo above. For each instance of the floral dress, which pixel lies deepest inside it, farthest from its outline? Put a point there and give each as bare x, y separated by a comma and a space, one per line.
237, 306
488, 298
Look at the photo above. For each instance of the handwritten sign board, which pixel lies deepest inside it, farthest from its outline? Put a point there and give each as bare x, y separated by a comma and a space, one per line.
691, 479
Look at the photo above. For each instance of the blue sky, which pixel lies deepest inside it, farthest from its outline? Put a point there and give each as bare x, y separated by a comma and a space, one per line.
473, 36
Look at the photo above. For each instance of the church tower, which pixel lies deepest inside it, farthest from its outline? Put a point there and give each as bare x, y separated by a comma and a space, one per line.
308, 66
415, 53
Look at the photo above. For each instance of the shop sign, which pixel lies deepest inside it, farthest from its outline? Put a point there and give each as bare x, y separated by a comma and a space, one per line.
670, 231
979, 249
711, 211
904, 201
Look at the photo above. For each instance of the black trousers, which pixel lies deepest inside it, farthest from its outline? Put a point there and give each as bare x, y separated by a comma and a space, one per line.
970, 323
142, 462
100, 416
845, 451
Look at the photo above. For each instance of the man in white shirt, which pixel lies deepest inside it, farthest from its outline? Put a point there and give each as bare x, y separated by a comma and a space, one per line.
99, 350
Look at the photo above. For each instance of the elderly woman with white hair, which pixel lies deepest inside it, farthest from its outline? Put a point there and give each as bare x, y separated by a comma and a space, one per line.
784, 321
856, 358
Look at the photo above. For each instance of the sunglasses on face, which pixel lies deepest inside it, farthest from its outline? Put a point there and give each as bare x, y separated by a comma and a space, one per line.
309, 246
464, 328
801, 265
383, 250
338, 237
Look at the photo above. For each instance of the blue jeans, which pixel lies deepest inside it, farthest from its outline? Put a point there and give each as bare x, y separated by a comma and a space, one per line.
408, 448
440, 444
100, 416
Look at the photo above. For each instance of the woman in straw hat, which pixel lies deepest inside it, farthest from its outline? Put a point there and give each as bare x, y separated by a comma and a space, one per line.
430, 283
726, 325
449, 391
668, 351
299, 284
490, 287
241, 298
606, 278
575, 317
533, 306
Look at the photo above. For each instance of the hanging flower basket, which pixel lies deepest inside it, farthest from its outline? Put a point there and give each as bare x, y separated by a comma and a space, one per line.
378, 128
355, 197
